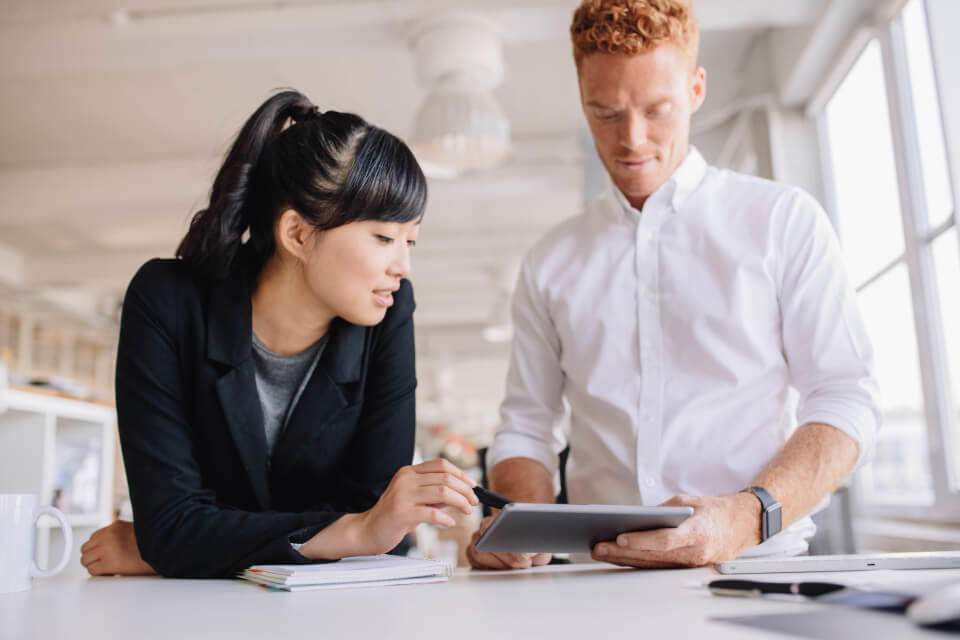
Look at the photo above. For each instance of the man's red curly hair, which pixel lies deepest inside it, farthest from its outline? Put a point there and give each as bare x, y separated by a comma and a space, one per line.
632, 27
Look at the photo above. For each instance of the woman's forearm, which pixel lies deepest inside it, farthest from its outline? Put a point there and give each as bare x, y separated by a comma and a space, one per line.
341, 539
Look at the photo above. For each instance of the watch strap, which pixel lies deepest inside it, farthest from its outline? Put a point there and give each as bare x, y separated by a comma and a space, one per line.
770, 512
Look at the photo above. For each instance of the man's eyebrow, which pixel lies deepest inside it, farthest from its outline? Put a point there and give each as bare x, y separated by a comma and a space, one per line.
594, 103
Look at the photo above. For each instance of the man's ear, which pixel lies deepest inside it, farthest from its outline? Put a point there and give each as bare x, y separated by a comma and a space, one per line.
293, 234
698, 88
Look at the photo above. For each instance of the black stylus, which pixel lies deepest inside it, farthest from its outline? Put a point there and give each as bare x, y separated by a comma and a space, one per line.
490, 498
756, 588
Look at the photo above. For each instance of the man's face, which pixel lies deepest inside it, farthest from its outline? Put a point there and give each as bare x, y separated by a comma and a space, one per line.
639, 108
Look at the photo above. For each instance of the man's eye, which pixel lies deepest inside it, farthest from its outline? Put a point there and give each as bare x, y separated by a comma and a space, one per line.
661, 112
607, 116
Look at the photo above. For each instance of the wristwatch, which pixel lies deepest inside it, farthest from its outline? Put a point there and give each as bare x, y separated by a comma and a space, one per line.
770, 521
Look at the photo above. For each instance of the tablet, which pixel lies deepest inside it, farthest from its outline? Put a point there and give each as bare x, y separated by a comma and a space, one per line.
571, 528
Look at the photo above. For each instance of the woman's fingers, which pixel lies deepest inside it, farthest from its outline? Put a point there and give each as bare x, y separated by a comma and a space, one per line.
444, 466
448, 480
444, 496
87, 558
433, 515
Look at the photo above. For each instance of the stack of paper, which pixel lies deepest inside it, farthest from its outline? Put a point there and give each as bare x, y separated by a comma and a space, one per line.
361, 571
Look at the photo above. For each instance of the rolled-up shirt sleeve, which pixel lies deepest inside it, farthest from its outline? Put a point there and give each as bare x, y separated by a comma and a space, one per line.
825, 343
533, 402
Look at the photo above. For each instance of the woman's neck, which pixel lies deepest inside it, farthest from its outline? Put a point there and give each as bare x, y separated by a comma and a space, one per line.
286, 318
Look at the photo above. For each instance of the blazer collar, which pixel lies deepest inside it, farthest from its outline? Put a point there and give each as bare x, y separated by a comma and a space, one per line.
229, 328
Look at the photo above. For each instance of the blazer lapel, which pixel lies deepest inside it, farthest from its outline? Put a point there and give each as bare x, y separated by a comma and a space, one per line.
330, 388
229, 336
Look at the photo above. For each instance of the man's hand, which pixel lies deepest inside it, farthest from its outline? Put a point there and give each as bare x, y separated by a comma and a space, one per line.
479, 560
720, 528
113, 550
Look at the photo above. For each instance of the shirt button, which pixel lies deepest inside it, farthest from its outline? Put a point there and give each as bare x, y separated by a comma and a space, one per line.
650, 482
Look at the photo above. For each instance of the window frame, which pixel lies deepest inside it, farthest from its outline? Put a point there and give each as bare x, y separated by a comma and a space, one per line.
940, 411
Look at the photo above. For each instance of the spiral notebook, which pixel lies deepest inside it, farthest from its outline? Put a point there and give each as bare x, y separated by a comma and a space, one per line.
360, 571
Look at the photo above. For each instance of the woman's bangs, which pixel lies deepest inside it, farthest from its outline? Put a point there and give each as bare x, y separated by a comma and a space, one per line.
385, 182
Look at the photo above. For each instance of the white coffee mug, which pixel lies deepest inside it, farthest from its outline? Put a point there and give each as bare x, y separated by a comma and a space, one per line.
18, 533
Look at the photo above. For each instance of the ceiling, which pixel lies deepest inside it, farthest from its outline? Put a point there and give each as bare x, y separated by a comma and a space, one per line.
113, 121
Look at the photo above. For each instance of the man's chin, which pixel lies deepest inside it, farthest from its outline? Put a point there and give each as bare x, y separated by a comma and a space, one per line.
638, 190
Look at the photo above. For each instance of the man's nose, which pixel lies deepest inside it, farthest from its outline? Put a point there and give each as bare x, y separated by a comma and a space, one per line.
633, 133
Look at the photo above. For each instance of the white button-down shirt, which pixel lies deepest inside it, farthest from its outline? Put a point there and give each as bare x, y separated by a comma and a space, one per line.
680, 339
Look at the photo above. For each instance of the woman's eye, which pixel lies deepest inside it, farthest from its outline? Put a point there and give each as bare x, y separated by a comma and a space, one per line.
384, 239
411, 243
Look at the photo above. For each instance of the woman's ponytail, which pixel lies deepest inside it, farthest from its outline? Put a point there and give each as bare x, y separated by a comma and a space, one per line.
215, 235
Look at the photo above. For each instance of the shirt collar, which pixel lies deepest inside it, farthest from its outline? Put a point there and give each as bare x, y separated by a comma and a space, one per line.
676, 190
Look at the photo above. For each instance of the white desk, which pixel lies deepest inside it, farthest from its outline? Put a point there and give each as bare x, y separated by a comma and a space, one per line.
582, 602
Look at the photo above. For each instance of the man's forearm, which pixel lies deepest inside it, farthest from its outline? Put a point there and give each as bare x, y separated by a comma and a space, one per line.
812, 464
522, 480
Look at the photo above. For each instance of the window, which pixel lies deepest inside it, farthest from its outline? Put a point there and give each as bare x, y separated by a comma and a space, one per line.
894, 210
933, 156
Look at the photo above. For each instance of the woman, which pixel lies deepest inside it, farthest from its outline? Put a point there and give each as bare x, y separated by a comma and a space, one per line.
265, 380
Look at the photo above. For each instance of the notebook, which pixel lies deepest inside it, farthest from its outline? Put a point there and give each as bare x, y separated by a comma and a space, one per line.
360, 571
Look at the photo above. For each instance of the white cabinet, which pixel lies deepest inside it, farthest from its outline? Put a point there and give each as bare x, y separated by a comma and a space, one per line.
61, 449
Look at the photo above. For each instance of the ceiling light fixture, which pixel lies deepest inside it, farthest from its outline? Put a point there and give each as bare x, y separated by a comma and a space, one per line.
460, 126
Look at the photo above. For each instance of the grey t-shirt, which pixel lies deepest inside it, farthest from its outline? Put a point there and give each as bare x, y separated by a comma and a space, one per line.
280, 382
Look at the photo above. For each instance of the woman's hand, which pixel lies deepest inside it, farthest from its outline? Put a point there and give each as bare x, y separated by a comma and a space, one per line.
416, 494
113, 551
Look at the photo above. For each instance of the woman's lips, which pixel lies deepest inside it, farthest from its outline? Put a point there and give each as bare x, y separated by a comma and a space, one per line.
383, 297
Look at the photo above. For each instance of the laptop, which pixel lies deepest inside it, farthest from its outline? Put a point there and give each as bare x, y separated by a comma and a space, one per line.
844, 562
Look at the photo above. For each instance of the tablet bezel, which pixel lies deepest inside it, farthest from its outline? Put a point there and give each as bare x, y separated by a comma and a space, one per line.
531, 527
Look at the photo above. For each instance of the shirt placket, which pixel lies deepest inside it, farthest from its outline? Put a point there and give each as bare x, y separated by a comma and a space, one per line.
650, 336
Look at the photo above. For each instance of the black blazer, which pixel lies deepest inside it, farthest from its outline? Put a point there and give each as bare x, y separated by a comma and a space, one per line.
206, 500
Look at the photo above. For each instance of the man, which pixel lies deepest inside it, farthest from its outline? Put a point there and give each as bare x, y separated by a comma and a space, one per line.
679, 317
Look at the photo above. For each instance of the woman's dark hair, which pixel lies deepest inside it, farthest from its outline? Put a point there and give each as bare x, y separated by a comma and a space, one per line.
332, 168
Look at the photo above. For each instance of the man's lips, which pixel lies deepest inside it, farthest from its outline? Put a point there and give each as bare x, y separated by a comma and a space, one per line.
636, 163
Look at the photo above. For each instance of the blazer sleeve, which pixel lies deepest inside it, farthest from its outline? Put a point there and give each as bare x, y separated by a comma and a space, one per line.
181, 530
386, 430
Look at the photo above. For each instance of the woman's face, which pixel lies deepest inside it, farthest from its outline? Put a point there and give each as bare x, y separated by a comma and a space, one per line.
354, 269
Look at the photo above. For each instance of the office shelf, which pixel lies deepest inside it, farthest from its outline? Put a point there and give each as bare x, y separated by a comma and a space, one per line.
50, 443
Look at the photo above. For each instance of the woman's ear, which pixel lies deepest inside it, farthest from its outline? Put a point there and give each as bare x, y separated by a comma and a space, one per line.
293, 234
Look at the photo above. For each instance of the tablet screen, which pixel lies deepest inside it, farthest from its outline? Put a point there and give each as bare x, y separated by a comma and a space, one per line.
523, 527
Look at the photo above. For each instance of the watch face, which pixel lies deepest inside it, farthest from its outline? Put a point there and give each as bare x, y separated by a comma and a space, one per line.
771, 520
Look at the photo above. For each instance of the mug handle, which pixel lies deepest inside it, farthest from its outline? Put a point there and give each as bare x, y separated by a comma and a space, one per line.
36, 571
